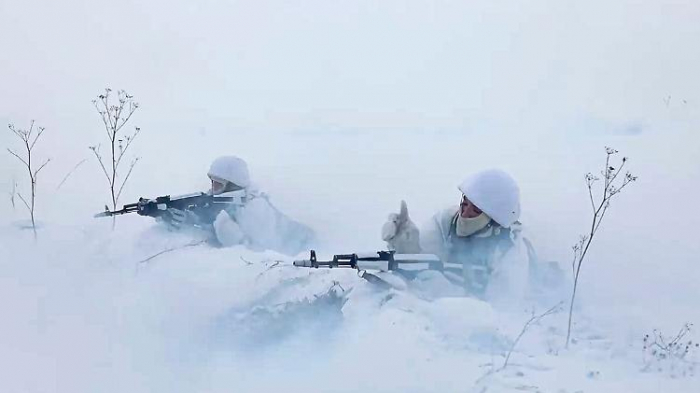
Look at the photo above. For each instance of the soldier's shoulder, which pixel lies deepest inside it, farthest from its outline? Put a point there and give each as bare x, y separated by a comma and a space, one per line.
510, 234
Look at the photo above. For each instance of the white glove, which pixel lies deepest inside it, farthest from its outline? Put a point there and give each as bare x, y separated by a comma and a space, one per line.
400, 233
176, 218
227, 231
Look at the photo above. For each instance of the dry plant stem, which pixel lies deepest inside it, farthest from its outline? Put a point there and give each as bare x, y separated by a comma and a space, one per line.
114, 118
533, 319
661, 344
599, 209
268, 268
13, 193
670, 352
29, 139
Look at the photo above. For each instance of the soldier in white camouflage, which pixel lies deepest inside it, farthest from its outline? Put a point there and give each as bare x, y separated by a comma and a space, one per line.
253, 222
480, 237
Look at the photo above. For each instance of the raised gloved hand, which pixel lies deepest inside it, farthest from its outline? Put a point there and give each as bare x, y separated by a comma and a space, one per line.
400, 233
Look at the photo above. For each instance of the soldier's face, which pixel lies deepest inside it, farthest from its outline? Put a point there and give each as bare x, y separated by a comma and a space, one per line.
467, 209
217, 187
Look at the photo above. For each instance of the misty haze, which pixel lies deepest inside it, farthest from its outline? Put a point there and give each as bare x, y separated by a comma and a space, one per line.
500, 196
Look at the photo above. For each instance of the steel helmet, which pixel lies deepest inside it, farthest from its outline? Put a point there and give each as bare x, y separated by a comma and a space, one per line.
231, 169
496, 193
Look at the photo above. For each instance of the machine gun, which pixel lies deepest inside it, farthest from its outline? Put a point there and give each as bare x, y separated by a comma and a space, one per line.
204, 205
380, 260
406, 264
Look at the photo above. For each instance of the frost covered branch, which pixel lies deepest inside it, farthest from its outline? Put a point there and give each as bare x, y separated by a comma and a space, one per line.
29, 139
612, 186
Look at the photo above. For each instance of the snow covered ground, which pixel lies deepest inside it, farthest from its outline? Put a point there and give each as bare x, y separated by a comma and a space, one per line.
342, 110
84, 314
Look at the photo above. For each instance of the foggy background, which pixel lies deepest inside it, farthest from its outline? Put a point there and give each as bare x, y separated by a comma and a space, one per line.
350, 106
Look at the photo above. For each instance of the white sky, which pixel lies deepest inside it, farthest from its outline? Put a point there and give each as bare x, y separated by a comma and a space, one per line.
321, 64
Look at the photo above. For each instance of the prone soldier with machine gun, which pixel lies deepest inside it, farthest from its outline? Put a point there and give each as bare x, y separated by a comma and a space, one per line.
231, 212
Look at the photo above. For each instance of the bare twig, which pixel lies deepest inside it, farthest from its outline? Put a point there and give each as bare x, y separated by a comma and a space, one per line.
36, 138
129, 141
18, 157
275, 263
171, 249
533, 319
131, 168
671, 352
95, 149
590, 179
13, 193
21, 198
70, 173
36, 172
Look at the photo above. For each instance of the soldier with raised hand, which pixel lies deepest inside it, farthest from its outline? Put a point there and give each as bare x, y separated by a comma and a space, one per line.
481, 236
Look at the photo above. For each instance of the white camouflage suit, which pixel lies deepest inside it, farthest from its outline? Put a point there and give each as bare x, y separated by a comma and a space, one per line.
492, 261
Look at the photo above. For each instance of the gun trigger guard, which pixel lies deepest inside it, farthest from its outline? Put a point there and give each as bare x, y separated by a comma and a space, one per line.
361, 273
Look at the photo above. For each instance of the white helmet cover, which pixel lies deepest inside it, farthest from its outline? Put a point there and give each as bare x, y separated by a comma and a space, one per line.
496, 193
232, 169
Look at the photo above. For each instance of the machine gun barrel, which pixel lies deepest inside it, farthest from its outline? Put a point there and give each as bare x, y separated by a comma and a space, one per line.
130, 208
